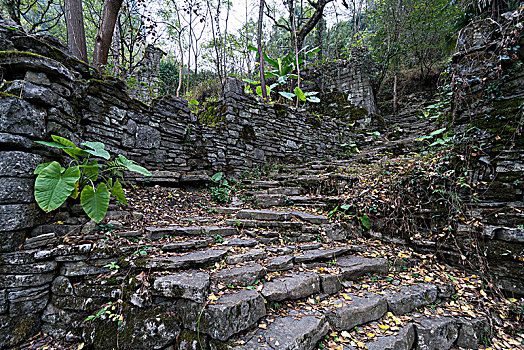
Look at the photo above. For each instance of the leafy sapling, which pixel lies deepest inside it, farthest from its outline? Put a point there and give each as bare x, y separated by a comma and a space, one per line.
91, 174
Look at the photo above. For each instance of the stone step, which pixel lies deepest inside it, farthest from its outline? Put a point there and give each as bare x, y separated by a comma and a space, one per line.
226, 210
295, 286
269, 200
250, 255
275, 225
311, 218
264, 215
188, 285
261, 184
353, 267
201, 258
405, 339
241, 276
354, 310
228, 315
187, 245
154, 232
411, 297
298, 331
286, 191
320, 254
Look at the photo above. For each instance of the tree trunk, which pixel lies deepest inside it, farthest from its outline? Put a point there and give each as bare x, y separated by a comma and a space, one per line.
181, 66
105, 33
260, 52
76, 36
116, 50
395, 97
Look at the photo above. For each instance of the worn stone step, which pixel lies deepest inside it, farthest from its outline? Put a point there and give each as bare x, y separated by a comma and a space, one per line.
314, 199
187, 245
353, 267
261, 183
241, 242
436, 333
294, 332
311, 218
356, 310
404, 340
269, 200
411, 297
320, 254
264, 215
295, 286
279, 263
251, 255
286, 191
228, 315
241, 276
195, 259
226, 210
154, 232
188, 285
276, 225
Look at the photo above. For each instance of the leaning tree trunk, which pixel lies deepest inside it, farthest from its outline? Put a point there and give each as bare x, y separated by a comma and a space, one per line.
105, 33
76, 36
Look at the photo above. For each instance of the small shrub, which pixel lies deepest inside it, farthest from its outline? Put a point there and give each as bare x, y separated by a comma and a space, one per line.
91, 174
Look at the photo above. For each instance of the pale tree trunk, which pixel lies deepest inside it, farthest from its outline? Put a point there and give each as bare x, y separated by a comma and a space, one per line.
116, 50
395, 97
295, 43
260, 52
105, 33
76, 36
181, 67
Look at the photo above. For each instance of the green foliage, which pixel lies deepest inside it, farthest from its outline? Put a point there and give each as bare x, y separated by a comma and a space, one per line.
283, 69
221, 190
54, 183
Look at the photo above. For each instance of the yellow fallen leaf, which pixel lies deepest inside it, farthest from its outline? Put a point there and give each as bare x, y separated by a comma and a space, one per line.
345, 296
212, 297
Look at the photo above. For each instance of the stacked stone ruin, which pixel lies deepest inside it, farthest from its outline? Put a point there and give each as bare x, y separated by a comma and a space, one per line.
52, 285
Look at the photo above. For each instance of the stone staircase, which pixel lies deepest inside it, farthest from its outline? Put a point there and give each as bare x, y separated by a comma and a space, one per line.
241, 278
270, 272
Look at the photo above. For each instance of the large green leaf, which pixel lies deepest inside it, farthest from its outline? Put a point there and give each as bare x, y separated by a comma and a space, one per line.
91, 171
41, 167
288, 95
118, 192
131, 166
95, 203
271, 61
364, 220
313, 99
69, 147
52, 187
300, 94
96, 149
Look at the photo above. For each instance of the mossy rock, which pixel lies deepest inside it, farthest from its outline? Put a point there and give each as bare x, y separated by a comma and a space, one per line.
14, 330
151, 328
212, 114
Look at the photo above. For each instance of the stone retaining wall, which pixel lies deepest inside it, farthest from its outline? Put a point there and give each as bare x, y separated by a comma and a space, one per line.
47, 91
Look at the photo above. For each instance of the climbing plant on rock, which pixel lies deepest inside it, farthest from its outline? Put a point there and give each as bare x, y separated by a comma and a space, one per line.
91, 174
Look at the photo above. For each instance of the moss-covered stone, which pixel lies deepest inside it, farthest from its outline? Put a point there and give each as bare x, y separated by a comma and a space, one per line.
151, 328
14, 330
212, 114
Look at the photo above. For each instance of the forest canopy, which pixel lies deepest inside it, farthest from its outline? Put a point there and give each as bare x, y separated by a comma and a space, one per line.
202, 42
